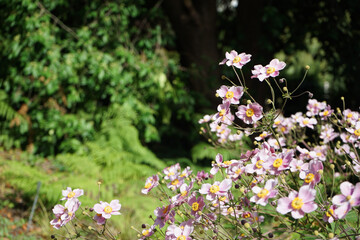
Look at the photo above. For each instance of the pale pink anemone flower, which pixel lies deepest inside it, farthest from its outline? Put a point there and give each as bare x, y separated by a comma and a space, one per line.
64, 214
147, 232
224, 114
250, 113
172, 172
71, 194
263, 194
181, 232
349, 197
216, 189
314, 107
196, 204
235, 59
328, 133
150, 183
280, 162
270, 70
232, 94
298, 203
312, 176
106, 209
330, 215
355, 131
219, 164
184, 193
164, 214
307, 122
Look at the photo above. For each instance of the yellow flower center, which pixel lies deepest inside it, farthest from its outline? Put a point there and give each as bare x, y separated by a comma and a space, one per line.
71, 195
223, 198
181, 237
277, 122
357, 132
222, 112
108, 209
297, 203
305, 121
148, 185
227, 162
236, 59
263, 193
229, 94
238, 171
349, 115
270, 70
258, 164
249, 112
330, 213
145, 233
247, 215
309, 177
230, 210
175, 182
170, 173
195, 206
348, 197
262, 135
282, 129
326, 113
214, 188
278, 162
183, 193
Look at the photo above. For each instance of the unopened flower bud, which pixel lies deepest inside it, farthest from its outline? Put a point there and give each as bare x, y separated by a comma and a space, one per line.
216, 95
243, 222
138, 235
281, 80
321, 172
268, 101
199, 212
209, 140
285, 89
332, 166
331, 235
316, 232
91, 209
270, 235
90, 228
248, 101
348, 162
143, 225
342, 98
311, 95
242, 189
307, 67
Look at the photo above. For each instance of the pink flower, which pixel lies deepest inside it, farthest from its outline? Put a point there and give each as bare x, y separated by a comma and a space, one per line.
263, 194
164, 215
232, 94
330, 215
106, 209
224, 114
150, 183
217, 189
307, 122
196, 204
235, 59
65, 214
172, 172
349, 197
181, 232
298, 203
312, 175
280, 162
71, 194
314, 107
100, 220
250, 113
184, 192
270, 70
147, 232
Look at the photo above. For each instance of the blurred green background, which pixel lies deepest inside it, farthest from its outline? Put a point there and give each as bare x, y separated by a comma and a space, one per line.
113, 90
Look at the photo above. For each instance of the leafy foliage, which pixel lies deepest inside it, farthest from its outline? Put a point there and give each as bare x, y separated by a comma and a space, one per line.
65, 68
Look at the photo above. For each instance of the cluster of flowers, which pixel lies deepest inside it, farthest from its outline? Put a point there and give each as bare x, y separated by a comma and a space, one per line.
286, 177
66, 213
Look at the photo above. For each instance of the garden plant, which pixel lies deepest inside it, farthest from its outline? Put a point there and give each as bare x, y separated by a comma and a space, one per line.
299, 180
